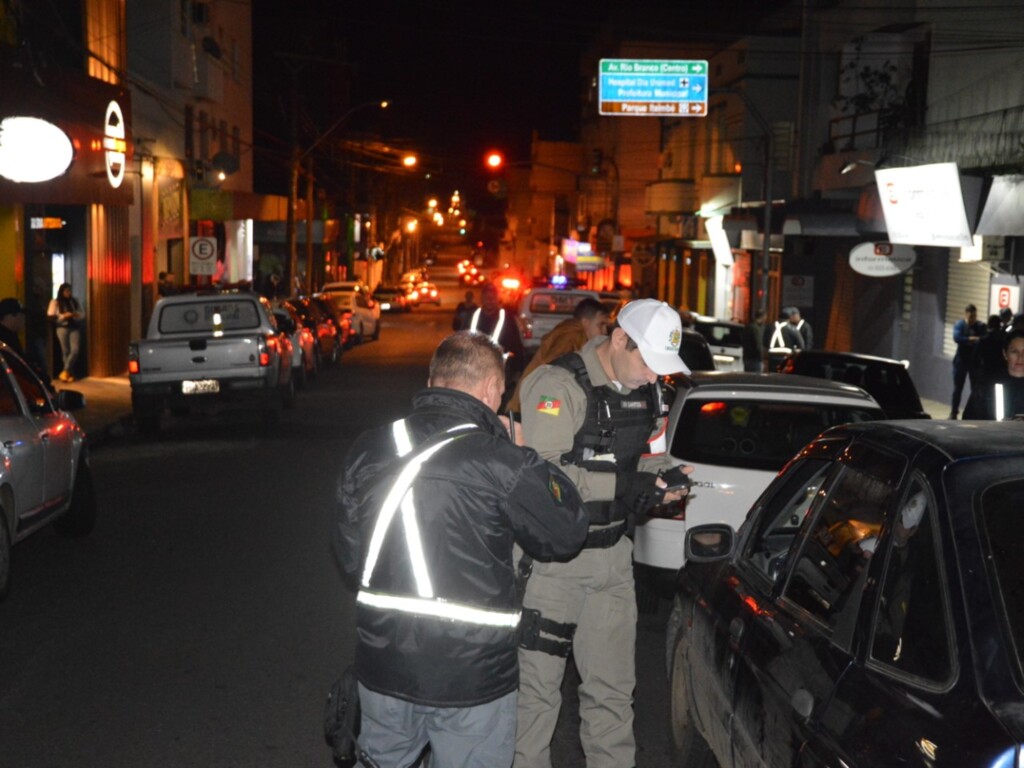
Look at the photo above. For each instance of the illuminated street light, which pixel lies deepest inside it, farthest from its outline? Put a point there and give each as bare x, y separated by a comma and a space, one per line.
494, 160
409, 161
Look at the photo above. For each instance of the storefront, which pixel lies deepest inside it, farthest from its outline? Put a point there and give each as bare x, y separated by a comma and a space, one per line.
67, 221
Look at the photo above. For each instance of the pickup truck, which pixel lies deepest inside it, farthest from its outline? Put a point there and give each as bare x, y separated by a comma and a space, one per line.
216, 347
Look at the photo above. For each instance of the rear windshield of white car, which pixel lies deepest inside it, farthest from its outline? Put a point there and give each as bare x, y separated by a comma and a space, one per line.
755, 434
554, 303
210, 316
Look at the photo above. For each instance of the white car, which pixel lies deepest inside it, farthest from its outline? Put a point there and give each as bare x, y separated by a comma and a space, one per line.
541, 309
44, 461
346, 286
737, 430
363, 309
725, 339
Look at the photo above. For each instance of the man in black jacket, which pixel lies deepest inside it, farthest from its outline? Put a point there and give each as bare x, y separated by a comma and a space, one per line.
428, 510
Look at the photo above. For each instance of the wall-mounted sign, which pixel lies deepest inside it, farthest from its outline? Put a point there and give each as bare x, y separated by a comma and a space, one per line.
925, 204
1003, 296
33, 150
882, 259
114, 145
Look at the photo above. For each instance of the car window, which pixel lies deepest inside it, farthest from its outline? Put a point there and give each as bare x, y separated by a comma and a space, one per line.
754, 434
206, 316
33, 389
1000, 509
828, 576
721, 334
911, 629
554, 303
778, 523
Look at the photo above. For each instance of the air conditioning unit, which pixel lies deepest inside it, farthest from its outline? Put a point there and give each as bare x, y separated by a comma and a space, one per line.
201, 14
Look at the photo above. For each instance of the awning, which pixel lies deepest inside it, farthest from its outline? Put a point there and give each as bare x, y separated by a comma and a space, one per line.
1003, 213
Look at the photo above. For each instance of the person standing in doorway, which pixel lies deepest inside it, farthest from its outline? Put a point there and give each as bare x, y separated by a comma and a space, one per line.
69, 318
967, 332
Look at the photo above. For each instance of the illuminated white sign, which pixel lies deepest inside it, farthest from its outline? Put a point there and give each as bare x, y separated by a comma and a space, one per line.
881, 259
924, 205
33, 150
114, 145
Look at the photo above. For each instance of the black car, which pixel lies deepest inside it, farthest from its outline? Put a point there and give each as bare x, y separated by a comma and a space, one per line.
392, 298
886, 380
868, 612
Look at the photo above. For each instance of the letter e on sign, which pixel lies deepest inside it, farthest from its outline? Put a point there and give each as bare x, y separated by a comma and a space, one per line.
202, 256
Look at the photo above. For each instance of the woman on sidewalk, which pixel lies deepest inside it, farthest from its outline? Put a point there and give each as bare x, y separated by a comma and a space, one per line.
69, 319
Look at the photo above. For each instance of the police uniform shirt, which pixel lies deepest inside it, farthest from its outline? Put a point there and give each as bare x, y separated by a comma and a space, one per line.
554, 409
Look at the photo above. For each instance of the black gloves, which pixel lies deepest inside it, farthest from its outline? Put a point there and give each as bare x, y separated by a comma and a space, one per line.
638, 491
676, 479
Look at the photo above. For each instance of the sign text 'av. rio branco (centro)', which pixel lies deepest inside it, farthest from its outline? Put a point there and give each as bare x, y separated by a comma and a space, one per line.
653, 88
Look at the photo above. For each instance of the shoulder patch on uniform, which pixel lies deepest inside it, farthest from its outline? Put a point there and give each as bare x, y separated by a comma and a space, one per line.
555, 489
549, 405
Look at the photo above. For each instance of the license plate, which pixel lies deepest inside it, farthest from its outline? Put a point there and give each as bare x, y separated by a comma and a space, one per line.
200, 387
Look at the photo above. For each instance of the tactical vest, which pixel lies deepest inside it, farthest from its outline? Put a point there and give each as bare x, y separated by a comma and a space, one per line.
617, 426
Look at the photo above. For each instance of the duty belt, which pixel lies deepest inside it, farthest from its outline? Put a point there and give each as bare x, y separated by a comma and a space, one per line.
602, 538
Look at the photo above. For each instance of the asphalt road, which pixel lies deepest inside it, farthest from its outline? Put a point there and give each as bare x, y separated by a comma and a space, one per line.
203, 621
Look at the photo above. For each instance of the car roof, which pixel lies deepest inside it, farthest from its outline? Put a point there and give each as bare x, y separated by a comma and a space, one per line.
820, 354
957, 439
747, 384
702, 320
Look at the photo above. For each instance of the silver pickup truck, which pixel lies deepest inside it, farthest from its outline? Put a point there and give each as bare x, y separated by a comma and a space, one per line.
217, 347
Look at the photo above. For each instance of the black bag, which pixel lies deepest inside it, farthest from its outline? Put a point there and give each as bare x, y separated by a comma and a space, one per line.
341, 718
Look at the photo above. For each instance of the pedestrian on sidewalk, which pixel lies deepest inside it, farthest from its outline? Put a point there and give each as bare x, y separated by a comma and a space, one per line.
69, 318
967, 332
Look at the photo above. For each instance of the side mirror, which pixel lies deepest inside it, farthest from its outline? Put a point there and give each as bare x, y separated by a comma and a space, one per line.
709, 543
69, 400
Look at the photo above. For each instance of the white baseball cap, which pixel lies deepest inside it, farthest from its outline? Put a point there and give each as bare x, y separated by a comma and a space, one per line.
657, 331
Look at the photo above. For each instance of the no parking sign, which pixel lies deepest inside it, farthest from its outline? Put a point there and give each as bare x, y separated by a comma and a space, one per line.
202, 256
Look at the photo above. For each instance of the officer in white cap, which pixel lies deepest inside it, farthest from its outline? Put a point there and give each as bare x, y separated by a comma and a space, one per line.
597, 413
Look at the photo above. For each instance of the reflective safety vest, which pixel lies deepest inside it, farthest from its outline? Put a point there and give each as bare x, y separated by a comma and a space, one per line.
400, 498
496, 332
778, 342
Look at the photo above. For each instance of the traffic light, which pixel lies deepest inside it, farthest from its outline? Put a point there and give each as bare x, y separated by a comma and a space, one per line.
494, 160
596, 161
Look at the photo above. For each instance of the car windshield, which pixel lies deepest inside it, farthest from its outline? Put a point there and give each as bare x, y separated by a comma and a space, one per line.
755, 434
1000, 510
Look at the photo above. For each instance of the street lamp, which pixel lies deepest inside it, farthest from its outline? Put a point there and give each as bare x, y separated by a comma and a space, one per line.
293, 193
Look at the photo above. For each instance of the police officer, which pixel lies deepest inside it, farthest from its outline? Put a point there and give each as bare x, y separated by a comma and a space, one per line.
1002, 397
596, 411
428, 510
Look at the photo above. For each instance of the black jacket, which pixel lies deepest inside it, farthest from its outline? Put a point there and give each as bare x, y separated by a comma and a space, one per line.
472, 499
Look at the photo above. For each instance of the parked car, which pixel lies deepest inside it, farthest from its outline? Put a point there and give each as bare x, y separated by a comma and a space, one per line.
392, 298
329, 343
44, 461
304, 358
541, 309
886, 380
867, 613
202, 348
725, 339
358, 310
738, 430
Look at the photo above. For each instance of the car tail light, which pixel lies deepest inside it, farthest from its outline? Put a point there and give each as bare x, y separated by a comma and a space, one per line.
266, 345
133, 359
307, 336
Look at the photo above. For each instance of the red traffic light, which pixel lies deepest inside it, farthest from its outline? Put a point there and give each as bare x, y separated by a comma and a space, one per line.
494, 160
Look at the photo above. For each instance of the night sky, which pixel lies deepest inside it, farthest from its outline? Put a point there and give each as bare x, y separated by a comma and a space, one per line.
462, 76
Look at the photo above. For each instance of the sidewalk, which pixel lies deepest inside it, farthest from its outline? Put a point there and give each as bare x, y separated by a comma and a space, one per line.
108, 406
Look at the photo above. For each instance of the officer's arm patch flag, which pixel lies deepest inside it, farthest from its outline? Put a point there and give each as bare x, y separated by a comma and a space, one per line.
549, 406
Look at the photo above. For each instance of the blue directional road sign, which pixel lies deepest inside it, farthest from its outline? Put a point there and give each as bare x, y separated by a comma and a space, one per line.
652, 87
